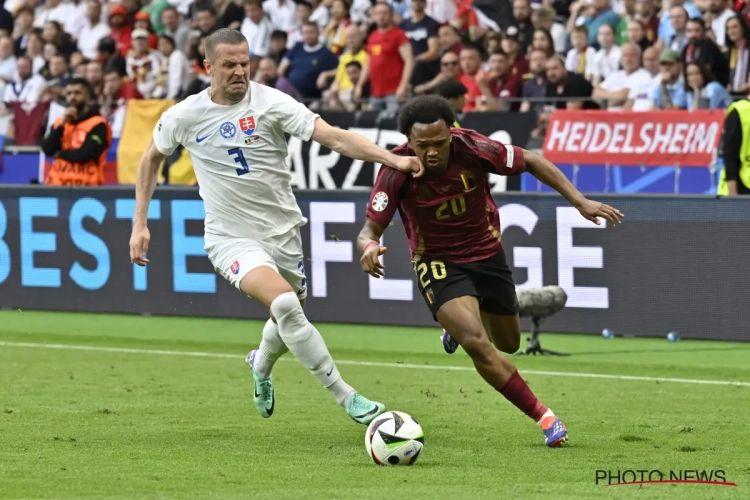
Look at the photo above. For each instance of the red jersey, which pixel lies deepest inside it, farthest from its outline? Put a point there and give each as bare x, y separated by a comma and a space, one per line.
507, 87
122, 39
451, 215
519, 67
386, 65
652, 28
474, 92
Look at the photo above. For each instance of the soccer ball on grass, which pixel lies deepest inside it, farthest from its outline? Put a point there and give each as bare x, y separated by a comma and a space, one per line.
394, 438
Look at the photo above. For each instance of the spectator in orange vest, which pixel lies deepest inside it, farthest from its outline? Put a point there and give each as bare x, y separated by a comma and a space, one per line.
78, 141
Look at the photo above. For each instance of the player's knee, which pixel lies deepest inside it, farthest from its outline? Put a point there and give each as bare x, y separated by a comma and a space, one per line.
475, 342
289, 315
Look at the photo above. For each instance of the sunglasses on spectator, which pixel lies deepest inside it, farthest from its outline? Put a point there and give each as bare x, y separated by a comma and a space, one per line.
449, 63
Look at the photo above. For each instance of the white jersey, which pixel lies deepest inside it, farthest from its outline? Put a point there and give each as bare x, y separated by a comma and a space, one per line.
239, 156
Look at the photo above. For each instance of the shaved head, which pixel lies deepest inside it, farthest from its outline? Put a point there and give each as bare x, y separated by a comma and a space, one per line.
223, 36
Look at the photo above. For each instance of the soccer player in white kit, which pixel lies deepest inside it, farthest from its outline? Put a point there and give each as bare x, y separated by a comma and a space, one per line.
234, 132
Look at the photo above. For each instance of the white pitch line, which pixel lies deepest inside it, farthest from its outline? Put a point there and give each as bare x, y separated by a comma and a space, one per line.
128, 350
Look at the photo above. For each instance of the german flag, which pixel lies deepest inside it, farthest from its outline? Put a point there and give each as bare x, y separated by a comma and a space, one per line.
430, 296
467, 179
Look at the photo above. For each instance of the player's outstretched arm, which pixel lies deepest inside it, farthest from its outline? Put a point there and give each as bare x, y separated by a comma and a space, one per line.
145, 184
368, 244
357, 147
549, 174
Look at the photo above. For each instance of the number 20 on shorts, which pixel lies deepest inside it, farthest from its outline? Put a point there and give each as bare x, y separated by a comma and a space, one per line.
438, 272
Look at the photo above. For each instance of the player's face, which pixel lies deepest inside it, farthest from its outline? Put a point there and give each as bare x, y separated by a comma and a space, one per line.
230, 70
432, 143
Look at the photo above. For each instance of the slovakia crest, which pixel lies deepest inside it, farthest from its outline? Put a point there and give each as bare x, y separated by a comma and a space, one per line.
379, 201
247, 125
235, 267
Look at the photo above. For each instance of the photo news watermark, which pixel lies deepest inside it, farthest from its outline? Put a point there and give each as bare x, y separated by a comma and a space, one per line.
716, 477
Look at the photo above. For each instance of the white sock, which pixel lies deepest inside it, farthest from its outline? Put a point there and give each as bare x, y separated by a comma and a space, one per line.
307, 345
270, 350
547, 413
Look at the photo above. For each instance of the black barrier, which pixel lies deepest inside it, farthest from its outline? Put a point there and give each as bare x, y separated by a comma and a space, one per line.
675, 264
315, 167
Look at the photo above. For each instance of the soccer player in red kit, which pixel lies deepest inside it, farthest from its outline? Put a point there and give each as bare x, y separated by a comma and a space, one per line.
453, 227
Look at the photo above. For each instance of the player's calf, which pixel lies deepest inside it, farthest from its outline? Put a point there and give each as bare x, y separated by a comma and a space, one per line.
462, 318
503, 330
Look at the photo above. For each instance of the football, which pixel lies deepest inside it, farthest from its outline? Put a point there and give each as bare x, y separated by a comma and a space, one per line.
394, 438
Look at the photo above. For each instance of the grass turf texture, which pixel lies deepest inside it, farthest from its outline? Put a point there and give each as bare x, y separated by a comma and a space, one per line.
85, 424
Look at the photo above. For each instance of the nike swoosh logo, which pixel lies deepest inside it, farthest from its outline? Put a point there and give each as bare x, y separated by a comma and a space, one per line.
201, 139
371, 412
329, 372
273, 400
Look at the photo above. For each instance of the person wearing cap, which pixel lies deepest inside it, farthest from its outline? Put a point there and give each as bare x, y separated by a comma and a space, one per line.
592, 14
511, 45
455, 92
120, 31
143, 21
670, 94
146, 67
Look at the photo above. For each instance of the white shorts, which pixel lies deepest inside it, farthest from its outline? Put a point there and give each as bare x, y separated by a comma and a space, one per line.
233, 258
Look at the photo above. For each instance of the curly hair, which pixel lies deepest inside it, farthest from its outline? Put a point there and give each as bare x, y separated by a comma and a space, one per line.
425, 109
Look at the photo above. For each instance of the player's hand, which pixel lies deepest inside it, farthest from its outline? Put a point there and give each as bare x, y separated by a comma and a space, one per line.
139, 240
409, 164
592, 210
370, 261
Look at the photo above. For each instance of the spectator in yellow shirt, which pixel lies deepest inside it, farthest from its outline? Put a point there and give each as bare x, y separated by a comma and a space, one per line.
339, 96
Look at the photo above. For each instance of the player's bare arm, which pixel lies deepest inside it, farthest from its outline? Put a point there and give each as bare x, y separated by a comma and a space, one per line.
145, 184
368, 244
357, 147
548, 173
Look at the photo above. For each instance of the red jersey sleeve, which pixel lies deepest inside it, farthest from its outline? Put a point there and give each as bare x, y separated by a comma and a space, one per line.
497, 157
385, 196
401, 38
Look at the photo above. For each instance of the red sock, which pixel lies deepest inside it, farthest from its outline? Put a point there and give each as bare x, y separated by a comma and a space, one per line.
517, 392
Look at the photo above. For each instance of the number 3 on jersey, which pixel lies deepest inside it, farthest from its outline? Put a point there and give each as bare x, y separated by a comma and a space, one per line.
239, 157
438, 269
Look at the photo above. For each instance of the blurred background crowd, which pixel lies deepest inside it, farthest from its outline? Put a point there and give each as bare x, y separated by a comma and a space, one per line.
349, 55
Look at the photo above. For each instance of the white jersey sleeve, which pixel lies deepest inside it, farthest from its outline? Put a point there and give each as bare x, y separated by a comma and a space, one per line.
293, 117
166, 133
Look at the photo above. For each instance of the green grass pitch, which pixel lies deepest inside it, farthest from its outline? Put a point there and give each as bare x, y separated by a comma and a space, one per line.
108, 417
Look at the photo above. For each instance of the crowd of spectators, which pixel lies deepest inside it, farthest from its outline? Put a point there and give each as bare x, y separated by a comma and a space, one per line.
352, 55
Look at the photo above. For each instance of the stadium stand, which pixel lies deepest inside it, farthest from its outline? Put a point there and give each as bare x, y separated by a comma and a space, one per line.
358, 55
